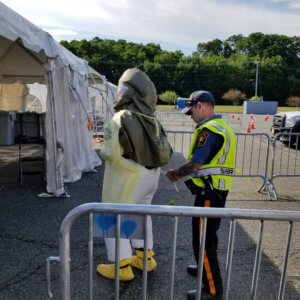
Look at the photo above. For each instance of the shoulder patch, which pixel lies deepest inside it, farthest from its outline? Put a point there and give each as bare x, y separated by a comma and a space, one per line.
202, 138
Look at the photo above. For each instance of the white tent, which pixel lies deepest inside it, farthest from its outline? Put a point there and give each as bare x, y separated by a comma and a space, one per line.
36, 98
27, 55
102, 95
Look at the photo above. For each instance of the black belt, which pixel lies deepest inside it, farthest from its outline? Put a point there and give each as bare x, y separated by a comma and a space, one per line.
196, 190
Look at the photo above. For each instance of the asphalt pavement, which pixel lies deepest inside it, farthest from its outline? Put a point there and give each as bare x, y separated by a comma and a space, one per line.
29, 232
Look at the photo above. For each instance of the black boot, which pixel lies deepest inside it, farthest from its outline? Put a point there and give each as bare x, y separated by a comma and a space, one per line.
191, 295
192, 270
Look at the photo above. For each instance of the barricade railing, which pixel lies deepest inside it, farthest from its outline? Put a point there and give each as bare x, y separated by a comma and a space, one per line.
285, 156
252, 155
225, 117
252, 158
168, 211
176, 119
233, 119
180, 142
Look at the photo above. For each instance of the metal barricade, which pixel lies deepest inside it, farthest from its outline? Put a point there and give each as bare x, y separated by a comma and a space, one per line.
285, 156
175, 121
252, 158
252, 154
233, 119
226, 118
174, 212
180, 142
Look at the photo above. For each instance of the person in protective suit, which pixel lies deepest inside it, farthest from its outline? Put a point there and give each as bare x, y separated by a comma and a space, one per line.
210, 164
135, 147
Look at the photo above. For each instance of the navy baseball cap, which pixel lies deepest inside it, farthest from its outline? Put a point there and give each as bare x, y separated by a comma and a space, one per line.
197, 96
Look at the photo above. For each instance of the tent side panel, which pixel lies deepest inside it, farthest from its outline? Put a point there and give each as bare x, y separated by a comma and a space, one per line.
73, 151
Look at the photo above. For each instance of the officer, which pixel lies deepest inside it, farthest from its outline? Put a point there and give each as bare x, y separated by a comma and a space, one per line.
210, 164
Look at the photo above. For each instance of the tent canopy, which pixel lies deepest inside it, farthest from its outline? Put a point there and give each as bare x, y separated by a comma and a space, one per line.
24, 48
27, 55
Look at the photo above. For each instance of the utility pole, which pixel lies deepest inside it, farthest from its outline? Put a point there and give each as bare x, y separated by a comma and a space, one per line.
256, 78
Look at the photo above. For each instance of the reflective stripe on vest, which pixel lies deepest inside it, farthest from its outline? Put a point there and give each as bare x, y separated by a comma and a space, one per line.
221, 167
222, 184
222, 159
214, 171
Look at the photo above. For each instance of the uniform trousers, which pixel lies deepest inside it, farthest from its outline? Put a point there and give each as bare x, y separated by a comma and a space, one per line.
211, 278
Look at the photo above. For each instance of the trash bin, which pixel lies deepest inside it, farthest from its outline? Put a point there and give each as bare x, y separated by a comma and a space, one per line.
7, 128
30, 124
181, 103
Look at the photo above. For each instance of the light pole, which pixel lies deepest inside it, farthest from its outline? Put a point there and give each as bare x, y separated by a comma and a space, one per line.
256, 78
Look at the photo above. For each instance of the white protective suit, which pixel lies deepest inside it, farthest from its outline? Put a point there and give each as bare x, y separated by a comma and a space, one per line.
125, 181
133, 139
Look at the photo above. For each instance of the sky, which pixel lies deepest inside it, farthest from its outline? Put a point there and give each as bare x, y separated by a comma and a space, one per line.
174, 24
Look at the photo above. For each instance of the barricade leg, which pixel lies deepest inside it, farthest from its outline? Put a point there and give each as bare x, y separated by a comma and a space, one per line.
269, 188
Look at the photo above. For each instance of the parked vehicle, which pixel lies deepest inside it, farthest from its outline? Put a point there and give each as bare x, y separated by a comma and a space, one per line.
287, 122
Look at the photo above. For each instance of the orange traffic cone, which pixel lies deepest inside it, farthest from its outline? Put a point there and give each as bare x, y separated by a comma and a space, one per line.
252, 125
248, 129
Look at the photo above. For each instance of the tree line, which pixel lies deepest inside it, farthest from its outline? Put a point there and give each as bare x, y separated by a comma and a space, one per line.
216, 65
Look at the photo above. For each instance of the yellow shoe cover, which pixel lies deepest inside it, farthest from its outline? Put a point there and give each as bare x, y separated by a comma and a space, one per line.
125, 271
137, 260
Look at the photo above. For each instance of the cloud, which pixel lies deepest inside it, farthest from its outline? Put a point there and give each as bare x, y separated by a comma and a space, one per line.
61, 32
178, 24
292, 4
295, 4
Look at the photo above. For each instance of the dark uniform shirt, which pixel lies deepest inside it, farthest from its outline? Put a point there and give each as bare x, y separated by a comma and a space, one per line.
208, 144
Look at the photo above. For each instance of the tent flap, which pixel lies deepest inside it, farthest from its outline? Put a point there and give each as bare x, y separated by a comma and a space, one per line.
69, 143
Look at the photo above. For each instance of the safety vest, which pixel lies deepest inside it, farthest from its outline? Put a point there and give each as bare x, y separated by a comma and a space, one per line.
221, 167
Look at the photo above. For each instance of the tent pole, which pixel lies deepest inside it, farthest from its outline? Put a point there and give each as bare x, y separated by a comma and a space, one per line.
109, 88
102, 96
54, 128
106, 84
25, 76
74, 89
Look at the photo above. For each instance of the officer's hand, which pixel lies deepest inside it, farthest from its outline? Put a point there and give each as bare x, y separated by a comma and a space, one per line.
173, 175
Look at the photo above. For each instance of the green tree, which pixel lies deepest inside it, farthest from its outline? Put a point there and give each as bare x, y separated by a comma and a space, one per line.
168, 97
216, 65
214, 47
256, 98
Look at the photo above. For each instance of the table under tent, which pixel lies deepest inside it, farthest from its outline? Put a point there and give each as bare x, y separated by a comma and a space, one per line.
30, 55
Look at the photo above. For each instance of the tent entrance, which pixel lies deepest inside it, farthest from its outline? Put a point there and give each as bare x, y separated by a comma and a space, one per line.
17, 63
